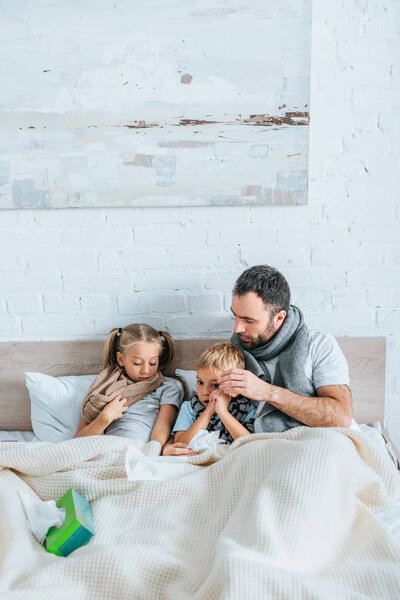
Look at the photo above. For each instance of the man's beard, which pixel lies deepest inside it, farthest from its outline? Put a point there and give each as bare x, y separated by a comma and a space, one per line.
262, 338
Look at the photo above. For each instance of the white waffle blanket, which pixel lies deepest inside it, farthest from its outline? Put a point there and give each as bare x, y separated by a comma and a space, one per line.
282, 516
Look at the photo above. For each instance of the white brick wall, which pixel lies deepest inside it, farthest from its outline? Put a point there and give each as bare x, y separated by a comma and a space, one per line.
77, 273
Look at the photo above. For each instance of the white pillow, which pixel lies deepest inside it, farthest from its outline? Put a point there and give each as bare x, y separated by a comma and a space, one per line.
56, 404
190, 377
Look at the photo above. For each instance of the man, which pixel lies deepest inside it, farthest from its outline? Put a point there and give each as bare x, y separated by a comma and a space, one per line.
296, 376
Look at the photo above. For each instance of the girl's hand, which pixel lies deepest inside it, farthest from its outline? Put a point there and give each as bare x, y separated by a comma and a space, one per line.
210, 408
221, 401
115, 409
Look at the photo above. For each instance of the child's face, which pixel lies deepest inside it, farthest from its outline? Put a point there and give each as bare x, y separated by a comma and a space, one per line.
207, 382
140, 361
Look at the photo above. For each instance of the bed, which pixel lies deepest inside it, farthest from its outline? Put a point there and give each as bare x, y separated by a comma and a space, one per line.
301, 514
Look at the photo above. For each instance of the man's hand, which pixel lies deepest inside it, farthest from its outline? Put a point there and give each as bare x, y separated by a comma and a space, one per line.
177, 449
239, 381
220, 400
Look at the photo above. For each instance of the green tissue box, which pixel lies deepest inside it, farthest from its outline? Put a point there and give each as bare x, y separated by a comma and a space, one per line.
77, 528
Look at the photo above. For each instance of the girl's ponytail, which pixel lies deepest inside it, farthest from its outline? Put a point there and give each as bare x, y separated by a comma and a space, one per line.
110, 349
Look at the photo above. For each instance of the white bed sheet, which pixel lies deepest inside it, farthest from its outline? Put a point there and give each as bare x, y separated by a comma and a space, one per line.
18, 436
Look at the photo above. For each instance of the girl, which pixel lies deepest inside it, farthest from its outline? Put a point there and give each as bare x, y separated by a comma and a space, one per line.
131, 397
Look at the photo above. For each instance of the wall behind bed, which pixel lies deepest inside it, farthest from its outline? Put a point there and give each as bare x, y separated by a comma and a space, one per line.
74, 274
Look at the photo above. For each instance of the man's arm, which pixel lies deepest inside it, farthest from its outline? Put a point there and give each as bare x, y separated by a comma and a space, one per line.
332, 407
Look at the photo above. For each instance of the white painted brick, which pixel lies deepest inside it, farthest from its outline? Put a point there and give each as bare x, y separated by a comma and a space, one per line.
222, 279
349, 299
117, 237
369, 233
54, 327
169, 235
24, 303
77, 259
205, 303
9, 261
248, 233
315, 277
97, 282
70, 218
104, 325
60, 303
341, 320
311, 298
170, 280
171, 303
97, 304
341, 254
132, 304
373, 276
9, 218
37, 260
205, 256
30, 282
201, 325
276, 255
24, 239
10, 328
384, 296
388, 318
142, 258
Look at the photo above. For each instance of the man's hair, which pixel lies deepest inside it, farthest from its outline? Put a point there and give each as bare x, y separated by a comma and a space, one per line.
266, 282
221, 357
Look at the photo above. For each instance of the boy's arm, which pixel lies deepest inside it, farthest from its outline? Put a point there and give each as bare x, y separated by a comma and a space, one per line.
201, 423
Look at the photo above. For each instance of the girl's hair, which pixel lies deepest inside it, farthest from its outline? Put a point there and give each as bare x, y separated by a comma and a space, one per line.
122, 338
221, 357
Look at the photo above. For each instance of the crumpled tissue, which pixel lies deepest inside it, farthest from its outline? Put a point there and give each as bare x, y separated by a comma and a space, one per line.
204, 439
41, 515
157, 468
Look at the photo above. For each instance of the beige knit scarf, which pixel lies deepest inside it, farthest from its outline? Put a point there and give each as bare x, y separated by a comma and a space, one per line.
111, 382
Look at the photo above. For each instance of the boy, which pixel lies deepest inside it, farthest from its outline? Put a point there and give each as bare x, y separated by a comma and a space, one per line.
210, 408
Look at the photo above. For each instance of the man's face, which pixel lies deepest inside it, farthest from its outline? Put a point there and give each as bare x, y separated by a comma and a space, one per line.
254, 322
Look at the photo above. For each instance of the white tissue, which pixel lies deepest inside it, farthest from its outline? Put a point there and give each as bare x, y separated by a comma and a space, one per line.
41, 515
205, 440
157, 468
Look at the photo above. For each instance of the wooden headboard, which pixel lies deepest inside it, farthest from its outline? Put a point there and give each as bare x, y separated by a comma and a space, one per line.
366, 358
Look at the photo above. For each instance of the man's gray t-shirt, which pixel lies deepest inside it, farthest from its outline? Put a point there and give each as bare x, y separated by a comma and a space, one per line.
138, 421
325, 363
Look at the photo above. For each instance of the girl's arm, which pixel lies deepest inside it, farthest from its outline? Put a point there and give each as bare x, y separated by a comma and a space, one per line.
113, 410
164, 423
201, 423
235, 428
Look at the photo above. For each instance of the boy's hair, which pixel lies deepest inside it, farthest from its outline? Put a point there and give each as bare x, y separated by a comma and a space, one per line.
221, 357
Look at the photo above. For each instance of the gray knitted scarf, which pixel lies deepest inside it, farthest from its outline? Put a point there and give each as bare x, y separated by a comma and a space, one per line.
238, 407
290, 345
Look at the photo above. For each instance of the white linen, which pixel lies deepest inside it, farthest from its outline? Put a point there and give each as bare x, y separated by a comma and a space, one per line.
18, 436
56, 404
282, 515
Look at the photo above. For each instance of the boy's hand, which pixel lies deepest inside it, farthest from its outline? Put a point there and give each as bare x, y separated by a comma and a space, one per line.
210, 407
221, 401
115, 409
